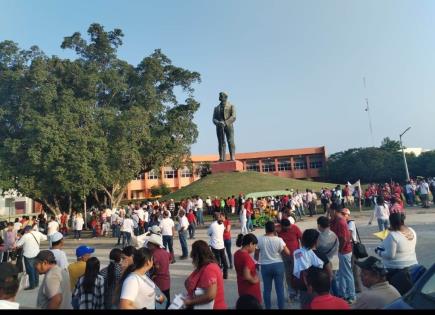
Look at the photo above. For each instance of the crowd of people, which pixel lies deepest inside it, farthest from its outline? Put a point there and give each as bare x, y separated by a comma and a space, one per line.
317, 267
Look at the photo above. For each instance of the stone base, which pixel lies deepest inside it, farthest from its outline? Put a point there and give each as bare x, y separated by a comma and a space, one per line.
226, 167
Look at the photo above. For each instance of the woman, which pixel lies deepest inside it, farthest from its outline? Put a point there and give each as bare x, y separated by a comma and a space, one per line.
205, 284
243, 220
78, 223
396, 205
112, 274
398, 252
89, 290
9, 241
268, 254
248, 282
127, 256
381, 213
227, 239
138, 291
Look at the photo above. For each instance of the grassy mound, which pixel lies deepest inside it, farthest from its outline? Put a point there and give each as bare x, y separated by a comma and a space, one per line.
228, 184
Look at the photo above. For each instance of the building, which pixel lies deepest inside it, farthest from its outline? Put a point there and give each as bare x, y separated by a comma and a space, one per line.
416, 151
13, 204
293, 163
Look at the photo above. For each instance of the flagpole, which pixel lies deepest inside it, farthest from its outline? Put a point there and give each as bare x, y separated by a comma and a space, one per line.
368, 114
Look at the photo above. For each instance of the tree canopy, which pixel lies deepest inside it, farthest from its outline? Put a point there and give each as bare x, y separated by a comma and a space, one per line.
69, 128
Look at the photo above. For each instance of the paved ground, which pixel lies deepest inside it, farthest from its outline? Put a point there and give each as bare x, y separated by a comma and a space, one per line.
421, 220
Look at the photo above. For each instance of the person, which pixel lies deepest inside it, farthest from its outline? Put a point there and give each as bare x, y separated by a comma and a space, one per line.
63, 224
410, 193
54, 292
167, 226
345, 281
227, 239
268, 254
127, 230
243, 220
78, 224
291, 235
30, 242
17, 225
248, 302
224, 116
56, 249
396, 205
216, 233
182, 233
424, 193
127, 256
160, 271
381, 213
200, 210
328, 245
397, 251
318, 282
248, 282
374, 277
112, 275
9, 284
192, 224
77, 269
205, 284
138, 290
89, 290
10, 238
52, 227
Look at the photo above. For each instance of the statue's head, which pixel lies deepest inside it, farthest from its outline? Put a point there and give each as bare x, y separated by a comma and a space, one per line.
223, 96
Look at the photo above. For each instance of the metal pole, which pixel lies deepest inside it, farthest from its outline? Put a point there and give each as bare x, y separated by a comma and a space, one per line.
403, 153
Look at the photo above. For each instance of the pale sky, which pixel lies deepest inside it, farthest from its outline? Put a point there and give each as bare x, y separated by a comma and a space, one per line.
293, 69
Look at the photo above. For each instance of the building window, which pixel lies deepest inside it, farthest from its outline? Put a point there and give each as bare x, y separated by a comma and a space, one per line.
152, 175
170, 173
186, 172
137, 194
268, 166
284, 165
252, 166
316, 162
300, 164
140, 176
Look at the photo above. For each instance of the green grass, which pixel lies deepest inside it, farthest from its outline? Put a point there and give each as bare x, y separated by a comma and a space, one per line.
228, 184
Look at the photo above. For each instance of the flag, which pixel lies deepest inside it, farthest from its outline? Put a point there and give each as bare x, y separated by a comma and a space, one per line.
381, 235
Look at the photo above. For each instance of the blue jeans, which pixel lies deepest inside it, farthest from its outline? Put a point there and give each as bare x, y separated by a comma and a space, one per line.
346, 284
273, 272
31, 271
126, 238
249, 224
183, 242
227, 244
77, 234
383, 224
191, 230
200, 216
334, 284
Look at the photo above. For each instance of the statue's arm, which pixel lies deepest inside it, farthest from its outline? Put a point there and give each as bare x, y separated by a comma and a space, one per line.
232, 118
215, 120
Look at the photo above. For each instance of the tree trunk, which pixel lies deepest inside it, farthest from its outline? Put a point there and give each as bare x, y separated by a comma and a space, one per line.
69, 205
116, 196
95, 194
52, 208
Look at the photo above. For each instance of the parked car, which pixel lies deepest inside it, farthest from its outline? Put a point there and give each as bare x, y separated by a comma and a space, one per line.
421, 296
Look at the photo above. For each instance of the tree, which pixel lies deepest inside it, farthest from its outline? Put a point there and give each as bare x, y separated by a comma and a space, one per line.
390, 145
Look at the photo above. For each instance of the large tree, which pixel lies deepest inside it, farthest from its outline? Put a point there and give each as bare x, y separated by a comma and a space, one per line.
72, 127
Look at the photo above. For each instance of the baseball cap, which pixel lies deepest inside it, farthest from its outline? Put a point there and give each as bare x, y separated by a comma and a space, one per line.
56, 237
345, 211
373, 264
7, 270
46, 255
83, 250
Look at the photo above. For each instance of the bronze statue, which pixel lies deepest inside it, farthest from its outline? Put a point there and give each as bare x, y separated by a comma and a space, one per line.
224, 116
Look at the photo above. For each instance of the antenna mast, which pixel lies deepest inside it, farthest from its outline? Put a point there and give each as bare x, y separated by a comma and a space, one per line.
368, 113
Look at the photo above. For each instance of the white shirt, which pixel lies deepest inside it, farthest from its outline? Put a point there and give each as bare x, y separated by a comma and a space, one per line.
399, 250
424, 188
8, 305
216, 233
141, 214
140, 290
17, 226
30, 245
409, 189
304, 259
127, 225
166, 226
184, 223
199, 203
243, 215
52, 227
78, 224
352, 228
208, 202
146, 216
381, 212
270, 249
60, 257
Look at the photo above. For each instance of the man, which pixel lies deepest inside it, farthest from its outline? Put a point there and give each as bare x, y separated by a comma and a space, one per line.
424, 194
30, 242
346, 285
328, 245
200, 210
224, 116
167, 227
54, 292
192, 224
56, 249
127, 227
52, 228
410, 192
374, 277
182, 233
216, 233
136, 222
9, 285
77, 269
160, 272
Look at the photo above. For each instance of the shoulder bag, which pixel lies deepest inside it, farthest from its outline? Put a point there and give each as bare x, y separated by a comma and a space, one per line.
358, 248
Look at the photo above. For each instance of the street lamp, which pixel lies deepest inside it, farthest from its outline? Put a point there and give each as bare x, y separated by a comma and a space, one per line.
403, 153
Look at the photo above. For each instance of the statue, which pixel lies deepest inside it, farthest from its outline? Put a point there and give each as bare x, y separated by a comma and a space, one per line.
224, 116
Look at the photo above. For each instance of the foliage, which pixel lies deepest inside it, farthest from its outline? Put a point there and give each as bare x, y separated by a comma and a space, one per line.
72, 127
161, 190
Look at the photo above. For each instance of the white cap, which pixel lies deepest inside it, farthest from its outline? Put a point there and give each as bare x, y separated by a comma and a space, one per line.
155, 239
57, 236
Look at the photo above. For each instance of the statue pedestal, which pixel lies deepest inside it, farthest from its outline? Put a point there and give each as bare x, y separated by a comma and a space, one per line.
226, 167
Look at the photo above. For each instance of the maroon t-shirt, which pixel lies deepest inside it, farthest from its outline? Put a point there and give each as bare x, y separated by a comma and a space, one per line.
340, 228
227, 235
328, 302
241, 260
291, 237
161, 258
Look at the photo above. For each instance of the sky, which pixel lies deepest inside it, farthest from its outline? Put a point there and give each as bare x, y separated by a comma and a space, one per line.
293, 69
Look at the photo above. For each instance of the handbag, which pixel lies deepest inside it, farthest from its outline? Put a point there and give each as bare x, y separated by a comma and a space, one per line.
358, 249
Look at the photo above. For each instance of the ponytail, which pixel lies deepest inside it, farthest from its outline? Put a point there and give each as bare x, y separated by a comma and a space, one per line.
239, 240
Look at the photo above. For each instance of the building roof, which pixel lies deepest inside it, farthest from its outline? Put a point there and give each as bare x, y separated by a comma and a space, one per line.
262, 154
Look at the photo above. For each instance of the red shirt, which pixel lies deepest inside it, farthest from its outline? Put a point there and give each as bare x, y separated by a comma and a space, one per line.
241, 260
328, 302
190, 217
231, 202
340, 228
162, 279
217, 203
203, 278
227, 234
291, 237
